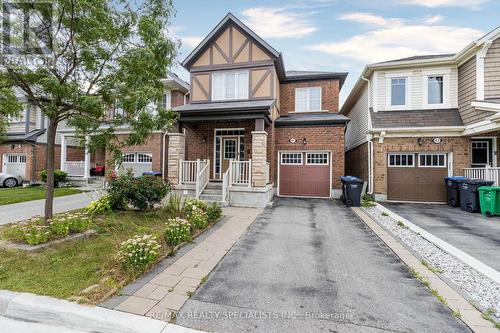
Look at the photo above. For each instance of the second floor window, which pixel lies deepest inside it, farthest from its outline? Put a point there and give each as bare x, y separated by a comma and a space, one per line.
308, 99
230, 85
435, 90
398, 91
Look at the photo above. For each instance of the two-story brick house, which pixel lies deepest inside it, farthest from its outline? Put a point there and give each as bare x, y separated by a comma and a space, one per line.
417, 120
254, 127
23, 149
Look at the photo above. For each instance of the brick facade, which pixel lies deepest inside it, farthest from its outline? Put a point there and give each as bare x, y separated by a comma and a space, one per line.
356, 162
37, 154
329, 94
459, 146
329, 138
178, 98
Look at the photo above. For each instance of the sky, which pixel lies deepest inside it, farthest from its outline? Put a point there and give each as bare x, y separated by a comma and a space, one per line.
342, 35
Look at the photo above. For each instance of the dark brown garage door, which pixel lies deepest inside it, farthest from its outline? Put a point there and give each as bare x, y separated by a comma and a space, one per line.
305, 174
417, 177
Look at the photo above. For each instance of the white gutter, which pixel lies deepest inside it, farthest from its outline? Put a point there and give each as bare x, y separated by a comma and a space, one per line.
419, 129
370, 142
164, 158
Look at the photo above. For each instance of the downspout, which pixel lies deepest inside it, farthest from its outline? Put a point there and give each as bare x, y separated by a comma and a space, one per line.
164, 159
369, 138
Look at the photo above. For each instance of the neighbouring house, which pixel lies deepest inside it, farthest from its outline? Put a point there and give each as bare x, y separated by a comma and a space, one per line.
253, 129
23, 149
417, 120
140, 158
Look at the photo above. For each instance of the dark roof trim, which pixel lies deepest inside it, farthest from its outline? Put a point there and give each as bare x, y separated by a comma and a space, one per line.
226, 20
261, 105
313, 77
313, 120
22, 137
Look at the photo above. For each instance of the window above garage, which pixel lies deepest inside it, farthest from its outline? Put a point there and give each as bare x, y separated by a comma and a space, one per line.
308, 99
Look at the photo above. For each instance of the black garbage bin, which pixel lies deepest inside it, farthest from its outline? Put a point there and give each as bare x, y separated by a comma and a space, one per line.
452, 190
351, 190
469, 195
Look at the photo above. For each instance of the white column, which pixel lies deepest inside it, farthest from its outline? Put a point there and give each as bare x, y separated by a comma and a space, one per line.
63, 153
86, 173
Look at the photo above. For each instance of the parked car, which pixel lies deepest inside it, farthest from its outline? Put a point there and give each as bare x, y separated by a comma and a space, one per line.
10, 180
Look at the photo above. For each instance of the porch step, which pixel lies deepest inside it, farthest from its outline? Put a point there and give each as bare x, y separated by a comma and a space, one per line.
212, 191
211, 197
214, 186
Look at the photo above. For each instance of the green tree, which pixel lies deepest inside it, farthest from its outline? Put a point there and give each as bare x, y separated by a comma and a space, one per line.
103, 53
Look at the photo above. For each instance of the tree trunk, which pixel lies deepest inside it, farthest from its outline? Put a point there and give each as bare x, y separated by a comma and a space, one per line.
51, 145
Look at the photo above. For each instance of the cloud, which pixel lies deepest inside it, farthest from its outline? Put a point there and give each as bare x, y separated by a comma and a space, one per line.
444, 3
192, 41
369, 18
398, 39
271, 22
433, 19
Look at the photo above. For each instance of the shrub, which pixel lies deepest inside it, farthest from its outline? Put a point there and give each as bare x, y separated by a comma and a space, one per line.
36, 234
174, 206
214, 212
59, 176
177, 231
198, 219
138, 252
191, 205
100, 206
142, 192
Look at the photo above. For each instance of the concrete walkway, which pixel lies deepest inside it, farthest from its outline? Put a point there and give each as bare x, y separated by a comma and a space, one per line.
311, 265
28, 313
164, 292
25, 210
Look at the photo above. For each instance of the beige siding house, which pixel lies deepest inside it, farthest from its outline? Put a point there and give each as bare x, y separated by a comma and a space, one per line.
417, 120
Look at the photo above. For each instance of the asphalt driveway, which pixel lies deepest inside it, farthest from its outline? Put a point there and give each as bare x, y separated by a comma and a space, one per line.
310, 265
475, 234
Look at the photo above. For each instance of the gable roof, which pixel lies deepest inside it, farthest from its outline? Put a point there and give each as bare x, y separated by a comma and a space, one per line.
230, 18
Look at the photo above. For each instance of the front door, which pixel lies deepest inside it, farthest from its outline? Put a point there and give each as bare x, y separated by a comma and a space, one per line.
229, 151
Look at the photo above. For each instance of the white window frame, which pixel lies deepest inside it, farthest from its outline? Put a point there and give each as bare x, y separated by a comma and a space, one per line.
129, 154
317, 153
167, 94
308, 99
290, 153
400, 166
407, 77
137, 159
224, 74
446, 74
445, 165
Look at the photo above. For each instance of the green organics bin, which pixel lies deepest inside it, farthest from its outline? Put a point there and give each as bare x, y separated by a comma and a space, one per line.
489, 200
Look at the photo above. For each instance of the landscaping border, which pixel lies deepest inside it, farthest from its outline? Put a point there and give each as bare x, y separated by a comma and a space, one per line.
32, 248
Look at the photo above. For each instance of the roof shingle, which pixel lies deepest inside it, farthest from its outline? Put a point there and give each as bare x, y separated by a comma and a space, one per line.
416, 118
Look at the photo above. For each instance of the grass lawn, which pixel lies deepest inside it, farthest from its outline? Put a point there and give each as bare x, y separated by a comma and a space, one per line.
21, 194
67, 269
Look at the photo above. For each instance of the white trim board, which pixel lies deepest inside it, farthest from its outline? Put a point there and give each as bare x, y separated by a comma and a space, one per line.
448, 248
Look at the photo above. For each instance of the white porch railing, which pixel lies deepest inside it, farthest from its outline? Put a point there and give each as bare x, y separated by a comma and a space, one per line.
241, 173
202, 177
226, 179
75, 168
491, 174
188, 171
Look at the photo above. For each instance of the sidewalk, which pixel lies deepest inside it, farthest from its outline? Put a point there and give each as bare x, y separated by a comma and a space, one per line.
25, 210
166, 291
23, 312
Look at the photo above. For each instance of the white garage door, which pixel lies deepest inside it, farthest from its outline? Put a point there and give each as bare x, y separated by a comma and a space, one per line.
138, 162
14, 164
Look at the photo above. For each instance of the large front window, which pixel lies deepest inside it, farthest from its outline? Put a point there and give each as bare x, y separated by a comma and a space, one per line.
308, 99
230, 85
398, 91
435, 90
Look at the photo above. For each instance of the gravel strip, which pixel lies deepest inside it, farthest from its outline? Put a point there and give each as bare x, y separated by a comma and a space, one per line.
482, 291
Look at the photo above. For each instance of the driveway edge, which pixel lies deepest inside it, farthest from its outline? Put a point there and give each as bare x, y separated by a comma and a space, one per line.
469, 314
447, 247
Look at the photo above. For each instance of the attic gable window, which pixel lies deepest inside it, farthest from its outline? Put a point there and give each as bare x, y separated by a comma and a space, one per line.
229, 85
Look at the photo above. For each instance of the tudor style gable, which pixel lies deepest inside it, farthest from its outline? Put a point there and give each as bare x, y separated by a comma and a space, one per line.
233, 53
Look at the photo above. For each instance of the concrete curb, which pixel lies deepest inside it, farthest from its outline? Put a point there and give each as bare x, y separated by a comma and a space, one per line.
468, 314
479, 266
25, 307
